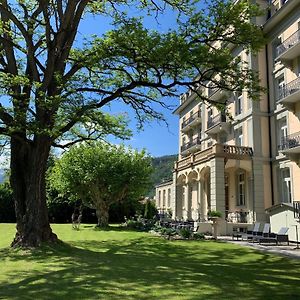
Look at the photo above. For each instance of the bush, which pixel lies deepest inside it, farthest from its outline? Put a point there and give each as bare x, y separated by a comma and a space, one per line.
150, 210
199, 236
186, 233
140, 224
7, 208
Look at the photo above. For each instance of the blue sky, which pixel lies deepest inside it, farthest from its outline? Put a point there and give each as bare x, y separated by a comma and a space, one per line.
157, 138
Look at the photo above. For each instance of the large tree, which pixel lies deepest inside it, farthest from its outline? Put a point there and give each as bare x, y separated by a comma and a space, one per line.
100, 175
52, 80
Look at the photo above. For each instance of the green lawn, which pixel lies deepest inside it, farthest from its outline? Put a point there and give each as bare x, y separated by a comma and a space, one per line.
118, 264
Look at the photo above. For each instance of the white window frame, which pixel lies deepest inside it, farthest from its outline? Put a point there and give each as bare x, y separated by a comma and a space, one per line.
286, 186
282, 129
239, 137
238, 104
241, 188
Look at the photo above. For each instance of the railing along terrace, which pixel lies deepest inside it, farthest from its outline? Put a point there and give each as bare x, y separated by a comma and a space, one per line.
296, 206
216, 120
193, 142
288, 43
289, 89
239, 216
238, 150
290, 141
192, 118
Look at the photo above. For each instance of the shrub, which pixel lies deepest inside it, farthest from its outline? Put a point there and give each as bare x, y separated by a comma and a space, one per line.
7, 207
186, 233
140, 224
199, 236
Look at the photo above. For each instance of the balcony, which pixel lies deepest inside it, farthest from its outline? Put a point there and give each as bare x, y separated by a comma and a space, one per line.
289, 94
217, 150
218, 95
192, 146
193, 120
290, 48
290, 143
217, 125
290, 146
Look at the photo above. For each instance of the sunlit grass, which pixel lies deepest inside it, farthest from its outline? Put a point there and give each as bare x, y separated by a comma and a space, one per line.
119, 264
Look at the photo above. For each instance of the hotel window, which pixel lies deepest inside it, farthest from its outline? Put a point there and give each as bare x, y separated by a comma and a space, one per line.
209, 115
286, 190
280, 87
238, 104
239, 136
159, 198
169, 197
282, 132
275, 45
164, 198
241, 189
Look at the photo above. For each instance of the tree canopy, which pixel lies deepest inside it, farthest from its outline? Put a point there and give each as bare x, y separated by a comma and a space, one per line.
101, 174
53, 85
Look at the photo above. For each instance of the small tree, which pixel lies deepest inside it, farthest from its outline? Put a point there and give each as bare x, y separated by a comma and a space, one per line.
102, 174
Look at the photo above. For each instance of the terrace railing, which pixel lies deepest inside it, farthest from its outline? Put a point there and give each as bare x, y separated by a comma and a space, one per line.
290, 141
288, 43
216, 120
288, 89
195, 141
192, 118
296, 206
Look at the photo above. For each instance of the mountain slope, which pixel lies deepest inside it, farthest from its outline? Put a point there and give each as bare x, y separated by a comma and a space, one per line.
163, 168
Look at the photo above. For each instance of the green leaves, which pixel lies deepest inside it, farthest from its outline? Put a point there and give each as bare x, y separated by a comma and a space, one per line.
98, 171
56, 79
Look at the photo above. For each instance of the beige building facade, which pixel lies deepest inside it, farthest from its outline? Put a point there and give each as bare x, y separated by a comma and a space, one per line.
245, 164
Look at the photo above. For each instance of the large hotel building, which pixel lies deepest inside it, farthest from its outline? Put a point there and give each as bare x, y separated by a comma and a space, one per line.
248, 166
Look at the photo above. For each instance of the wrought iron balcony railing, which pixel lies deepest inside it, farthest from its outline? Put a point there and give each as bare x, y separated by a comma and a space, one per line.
290, 141
211, 122
194, 142
296, 206
192, 118
288, 89
288, 43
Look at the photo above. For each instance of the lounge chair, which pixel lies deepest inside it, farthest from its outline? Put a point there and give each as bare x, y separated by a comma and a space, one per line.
264, 233
280, 237
250, 234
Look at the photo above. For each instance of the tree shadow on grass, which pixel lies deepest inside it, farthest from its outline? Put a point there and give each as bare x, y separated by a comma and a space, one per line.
151, 268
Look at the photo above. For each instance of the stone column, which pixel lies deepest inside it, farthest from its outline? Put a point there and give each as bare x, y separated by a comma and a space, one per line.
257, 197
199, 204
174, 196
217, 185
185, 201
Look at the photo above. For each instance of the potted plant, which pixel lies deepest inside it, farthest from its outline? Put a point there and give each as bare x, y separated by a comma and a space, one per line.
214, 215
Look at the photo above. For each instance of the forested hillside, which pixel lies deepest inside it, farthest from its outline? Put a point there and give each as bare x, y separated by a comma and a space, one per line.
163, 167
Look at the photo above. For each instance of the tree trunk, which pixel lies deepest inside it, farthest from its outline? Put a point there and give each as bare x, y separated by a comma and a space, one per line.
28, 169
102, 213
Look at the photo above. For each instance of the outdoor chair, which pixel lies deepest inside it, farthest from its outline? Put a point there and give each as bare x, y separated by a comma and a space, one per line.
280, 237
250, 234
264, 233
